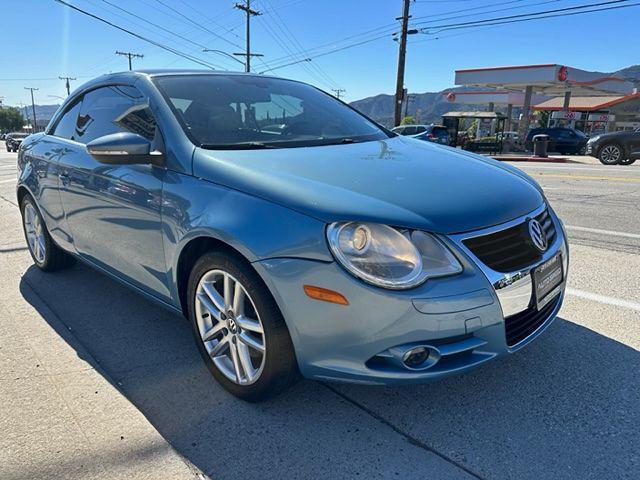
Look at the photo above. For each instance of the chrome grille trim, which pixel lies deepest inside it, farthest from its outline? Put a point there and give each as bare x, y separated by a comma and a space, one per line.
515, 289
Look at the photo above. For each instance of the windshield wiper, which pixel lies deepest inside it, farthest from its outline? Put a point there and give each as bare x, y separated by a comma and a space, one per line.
236, 146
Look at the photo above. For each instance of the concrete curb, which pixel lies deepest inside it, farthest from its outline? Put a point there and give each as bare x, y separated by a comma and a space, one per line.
521, 158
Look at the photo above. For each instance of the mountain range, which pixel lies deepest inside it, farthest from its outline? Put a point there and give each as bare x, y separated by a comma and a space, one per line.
430, 106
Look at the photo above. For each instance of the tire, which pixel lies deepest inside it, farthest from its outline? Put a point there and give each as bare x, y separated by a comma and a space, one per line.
46, 255
627, 161
275, 369
610, 154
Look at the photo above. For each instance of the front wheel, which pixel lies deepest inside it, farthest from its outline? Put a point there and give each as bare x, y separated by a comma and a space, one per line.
610, 154
627, 161
239, 329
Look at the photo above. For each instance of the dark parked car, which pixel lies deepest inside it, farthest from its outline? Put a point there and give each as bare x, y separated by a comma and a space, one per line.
13, 141
562, 140
615, 148
430, 133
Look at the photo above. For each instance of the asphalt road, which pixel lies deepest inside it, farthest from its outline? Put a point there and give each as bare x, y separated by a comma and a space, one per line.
567, 406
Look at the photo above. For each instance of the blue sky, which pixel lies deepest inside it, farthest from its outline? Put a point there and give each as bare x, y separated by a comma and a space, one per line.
45, 40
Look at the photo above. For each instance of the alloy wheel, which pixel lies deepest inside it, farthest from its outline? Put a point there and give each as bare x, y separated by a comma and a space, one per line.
610, 154
35, 232
230, 327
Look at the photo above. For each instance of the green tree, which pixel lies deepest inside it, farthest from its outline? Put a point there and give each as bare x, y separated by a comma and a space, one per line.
543, 118
408, 120
473, 128
10, 119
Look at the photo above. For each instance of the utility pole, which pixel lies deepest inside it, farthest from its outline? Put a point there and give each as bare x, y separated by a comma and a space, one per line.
33, 107
250, 13
66, 83
130, 55
410, 98
401, 61
339, 92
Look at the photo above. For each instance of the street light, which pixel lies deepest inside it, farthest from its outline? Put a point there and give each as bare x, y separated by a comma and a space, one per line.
57, 96
225, 54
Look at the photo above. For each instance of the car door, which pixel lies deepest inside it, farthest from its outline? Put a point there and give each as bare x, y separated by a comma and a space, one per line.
634, 144
44, 156
113, 211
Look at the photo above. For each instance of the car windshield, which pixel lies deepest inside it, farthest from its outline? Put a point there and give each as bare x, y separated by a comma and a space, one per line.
250, 112
18, 135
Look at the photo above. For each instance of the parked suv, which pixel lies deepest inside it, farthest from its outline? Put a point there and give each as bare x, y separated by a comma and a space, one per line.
615, 148
13, 140
430, 133
327, 246
566, 141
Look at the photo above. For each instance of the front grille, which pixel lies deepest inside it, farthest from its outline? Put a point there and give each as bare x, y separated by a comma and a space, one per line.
521, 325
511, 249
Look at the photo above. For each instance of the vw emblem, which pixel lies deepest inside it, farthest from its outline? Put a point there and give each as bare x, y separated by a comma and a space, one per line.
538, 235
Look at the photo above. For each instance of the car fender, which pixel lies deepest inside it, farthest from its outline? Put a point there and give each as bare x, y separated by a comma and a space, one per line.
194, 208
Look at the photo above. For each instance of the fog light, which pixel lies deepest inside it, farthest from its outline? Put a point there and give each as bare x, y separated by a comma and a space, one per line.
416, 357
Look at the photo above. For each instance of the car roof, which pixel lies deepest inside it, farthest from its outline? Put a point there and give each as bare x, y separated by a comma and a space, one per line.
132, 75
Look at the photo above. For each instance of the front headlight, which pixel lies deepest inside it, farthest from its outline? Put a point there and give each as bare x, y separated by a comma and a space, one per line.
388, 258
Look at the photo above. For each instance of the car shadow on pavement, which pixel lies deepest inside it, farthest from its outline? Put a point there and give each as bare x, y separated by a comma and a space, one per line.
564, 407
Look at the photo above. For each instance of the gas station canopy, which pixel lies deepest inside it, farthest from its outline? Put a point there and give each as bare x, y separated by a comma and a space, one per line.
547, 79
497, 97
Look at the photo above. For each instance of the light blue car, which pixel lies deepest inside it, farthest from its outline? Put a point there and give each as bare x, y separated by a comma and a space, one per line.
295, 234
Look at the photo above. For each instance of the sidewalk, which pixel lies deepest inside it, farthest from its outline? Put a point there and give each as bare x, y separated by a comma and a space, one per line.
60, 417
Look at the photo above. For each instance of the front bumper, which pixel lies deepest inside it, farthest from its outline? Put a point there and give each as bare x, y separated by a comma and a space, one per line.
461, 318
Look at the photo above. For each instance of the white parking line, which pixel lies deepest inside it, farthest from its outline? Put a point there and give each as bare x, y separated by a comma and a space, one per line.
596, 297
11, 180
578, 168
603, 232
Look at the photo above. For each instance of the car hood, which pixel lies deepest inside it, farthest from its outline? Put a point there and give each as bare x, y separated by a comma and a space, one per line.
398, 181
609, 135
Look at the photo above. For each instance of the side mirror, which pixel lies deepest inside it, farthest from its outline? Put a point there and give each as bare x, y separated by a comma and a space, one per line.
123, 148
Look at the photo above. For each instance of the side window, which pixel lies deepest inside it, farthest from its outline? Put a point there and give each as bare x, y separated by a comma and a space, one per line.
65, 128
114, 109
409, 131
421, 129
441, 133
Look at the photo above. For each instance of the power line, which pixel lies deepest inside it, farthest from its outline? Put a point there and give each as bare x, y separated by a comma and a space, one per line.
202, 14
522, 15
544, 17
155, 26
137, 35
381, 31
277, 38
200, 26
282, 26
275, 65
